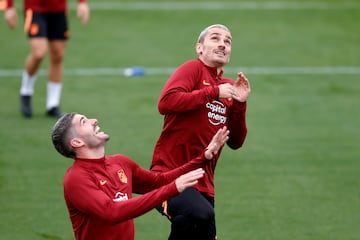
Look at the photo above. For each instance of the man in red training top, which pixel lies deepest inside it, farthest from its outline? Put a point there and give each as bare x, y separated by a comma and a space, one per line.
46, 26
98, 188
197, 101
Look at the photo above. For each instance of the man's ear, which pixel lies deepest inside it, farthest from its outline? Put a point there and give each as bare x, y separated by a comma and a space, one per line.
199, 48
76, 142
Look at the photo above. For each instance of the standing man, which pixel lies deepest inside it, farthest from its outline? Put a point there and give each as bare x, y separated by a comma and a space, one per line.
46, 26
98, 188
196, 102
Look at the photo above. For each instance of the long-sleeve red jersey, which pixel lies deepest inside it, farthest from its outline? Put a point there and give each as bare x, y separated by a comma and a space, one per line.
98, 194
193, 114
43, 5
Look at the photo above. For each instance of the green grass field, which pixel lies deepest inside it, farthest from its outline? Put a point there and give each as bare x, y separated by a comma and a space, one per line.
297, 176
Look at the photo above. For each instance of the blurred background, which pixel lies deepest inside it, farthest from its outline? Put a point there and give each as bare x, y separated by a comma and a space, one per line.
297, 175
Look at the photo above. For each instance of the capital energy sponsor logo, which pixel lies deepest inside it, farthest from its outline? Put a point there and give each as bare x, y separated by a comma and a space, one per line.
119, 197
216, 113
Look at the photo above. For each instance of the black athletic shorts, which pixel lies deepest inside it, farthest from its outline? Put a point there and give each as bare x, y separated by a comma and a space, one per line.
53, 26
185, 203
194, 206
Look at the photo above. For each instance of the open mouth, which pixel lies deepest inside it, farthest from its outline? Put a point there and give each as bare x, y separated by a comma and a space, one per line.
97, 130
220, 53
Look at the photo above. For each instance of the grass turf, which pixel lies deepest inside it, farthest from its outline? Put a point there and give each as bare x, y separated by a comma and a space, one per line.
297, 174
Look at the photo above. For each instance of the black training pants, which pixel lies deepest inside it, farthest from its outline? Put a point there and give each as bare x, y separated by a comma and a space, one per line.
192, 216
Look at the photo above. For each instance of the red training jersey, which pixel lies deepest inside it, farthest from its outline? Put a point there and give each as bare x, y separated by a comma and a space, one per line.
43, 5
98, 194
193, 114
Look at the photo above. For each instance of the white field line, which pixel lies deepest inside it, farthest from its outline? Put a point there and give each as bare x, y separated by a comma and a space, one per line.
167, 71
221, 5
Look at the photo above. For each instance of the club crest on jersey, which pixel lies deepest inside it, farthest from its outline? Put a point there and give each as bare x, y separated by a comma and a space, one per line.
122, 176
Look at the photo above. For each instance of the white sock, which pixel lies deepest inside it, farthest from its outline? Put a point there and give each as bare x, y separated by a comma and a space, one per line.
27, 84
53, 95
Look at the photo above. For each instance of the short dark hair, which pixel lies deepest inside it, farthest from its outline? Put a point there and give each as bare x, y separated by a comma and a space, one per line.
62, 134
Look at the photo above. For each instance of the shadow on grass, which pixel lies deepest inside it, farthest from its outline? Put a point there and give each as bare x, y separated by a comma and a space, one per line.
48, 236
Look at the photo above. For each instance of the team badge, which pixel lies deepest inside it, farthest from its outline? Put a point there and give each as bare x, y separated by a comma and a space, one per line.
122, 176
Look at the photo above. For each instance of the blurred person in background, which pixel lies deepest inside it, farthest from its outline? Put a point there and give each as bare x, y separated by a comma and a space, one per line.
196, 102
46, 25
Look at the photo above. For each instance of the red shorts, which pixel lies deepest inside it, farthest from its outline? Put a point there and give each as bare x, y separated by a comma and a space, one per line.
53, 26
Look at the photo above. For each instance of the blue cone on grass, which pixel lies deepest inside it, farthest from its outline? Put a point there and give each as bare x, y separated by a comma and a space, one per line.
134, 71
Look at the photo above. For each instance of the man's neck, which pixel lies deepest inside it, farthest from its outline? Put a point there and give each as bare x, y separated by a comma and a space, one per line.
91, 153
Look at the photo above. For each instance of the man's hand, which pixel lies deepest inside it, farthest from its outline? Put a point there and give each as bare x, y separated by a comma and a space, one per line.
11, 17
218, 140
241, 88
83, 12
189, 179
239, 91
226, 90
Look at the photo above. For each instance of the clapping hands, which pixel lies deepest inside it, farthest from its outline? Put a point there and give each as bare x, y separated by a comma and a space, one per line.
239, 91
